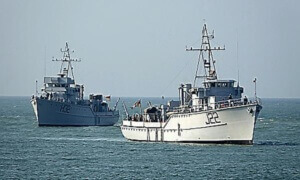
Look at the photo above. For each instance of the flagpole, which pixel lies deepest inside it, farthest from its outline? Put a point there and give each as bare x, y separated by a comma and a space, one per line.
255, 88
141, 106
36, 88
255, 91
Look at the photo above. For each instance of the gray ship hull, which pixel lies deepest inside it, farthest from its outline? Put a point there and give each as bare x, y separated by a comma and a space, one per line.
54, 113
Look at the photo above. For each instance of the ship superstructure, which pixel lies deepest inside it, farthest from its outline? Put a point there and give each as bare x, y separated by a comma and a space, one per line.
62, 102
214, 112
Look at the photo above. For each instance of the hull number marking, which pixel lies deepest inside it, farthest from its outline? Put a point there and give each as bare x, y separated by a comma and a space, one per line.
65, 108
212, 118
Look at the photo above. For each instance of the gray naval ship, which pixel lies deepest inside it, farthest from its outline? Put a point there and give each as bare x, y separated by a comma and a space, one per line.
61, 102
215, 112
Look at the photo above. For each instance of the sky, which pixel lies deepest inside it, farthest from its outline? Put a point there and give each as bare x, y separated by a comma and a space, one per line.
134, 48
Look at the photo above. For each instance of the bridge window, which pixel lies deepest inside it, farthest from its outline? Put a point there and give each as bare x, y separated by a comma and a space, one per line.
207, 85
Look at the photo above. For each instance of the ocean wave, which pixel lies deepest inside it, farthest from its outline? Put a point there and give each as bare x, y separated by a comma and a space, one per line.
275, 143
10, 117
81, 139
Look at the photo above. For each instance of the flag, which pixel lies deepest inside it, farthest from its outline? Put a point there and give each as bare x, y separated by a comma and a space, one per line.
107, 98
136, 104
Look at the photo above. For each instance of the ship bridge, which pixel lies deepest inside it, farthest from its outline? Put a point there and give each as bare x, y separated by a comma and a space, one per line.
218, 90
59, 81
58, 84
221, 89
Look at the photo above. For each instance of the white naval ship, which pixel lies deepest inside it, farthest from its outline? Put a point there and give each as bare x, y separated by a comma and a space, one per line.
212, 113
61, 102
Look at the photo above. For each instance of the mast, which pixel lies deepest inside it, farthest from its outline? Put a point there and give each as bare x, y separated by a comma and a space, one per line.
66, 60
206, 56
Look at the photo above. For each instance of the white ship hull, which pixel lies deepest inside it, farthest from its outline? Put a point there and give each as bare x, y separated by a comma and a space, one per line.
54, 113
227, 125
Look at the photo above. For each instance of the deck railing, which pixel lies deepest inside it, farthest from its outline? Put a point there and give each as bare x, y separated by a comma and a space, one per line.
217, 105
198, 108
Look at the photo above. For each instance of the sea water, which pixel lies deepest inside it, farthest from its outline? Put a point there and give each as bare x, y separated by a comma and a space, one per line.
28, 151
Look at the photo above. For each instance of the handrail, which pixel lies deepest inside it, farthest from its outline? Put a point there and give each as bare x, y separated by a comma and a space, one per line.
218, 105
199, 108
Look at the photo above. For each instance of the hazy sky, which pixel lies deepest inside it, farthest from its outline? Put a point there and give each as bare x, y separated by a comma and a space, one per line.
137, 47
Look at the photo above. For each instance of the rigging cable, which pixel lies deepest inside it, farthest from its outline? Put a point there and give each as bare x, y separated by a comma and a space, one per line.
175, 77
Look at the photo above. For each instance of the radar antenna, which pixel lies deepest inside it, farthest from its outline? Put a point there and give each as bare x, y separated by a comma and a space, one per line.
66, 60
206, 56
